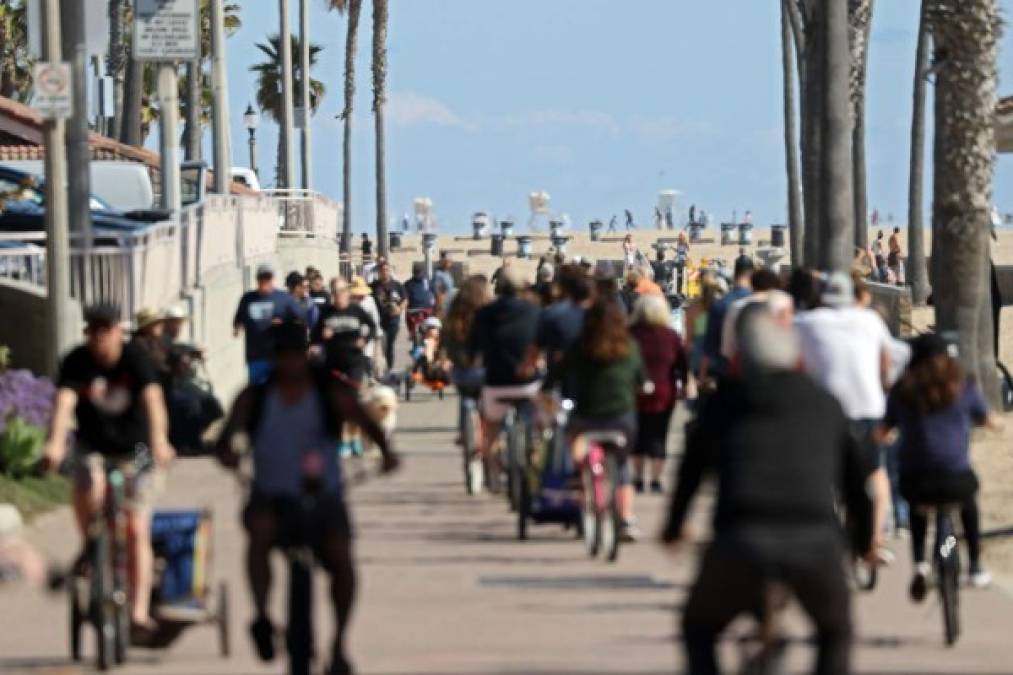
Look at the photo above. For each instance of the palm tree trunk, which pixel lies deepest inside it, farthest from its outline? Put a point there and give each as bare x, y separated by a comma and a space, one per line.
192, 130
351, 47
115, 62
837, 204
966, 36
812, 133
133, 91
796, 234
380, 18
287, 112
917, 273
860, 23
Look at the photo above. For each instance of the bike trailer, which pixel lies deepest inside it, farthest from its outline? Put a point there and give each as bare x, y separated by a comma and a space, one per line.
555, 497
182, 544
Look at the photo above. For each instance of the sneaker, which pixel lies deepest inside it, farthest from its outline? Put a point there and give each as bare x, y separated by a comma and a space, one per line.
262, 632
656, 487
920, 583
978, 577
629, 531
638, 485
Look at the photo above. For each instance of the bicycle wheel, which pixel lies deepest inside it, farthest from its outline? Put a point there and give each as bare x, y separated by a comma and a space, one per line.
299, 635
611, 521
948, 580
222, 618
77, 618
515, 472
473, 465
591, 520
102, 612
121, 615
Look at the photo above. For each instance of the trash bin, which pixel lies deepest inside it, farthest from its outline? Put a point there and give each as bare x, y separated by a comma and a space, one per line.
777, 235
595, 227
559, 243
555, 229
524, 247
695, 231
496, 246
394, 239
507, 229
478, 229
745, 234
727, 234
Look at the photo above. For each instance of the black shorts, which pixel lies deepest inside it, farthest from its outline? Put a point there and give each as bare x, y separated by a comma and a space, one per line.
938, 487
295, 525
652, 434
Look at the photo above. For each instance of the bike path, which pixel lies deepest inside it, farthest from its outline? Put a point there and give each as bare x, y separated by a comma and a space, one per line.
445, 588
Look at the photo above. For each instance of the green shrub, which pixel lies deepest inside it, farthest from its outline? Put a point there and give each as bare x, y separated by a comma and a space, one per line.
20, 446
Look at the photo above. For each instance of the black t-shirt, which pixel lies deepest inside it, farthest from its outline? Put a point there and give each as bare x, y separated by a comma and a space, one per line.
388, 295
347, 327
257, 312
502, 334
111, 418
319, 298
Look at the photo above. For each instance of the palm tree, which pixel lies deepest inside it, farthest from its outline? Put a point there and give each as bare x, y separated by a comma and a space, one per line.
116, 61
380, 18
791, 141
965, 38
836, 180
917, 273
269, 81
354, 8
860, 23
15, 62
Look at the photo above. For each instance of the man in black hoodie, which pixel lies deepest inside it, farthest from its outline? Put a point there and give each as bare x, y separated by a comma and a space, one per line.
781, 450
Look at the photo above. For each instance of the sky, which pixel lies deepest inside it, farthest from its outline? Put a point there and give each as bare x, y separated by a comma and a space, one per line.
601, 103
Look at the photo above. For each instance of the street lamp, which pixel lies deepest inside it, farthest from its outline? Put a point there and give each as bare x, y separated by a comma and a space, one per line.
251, 119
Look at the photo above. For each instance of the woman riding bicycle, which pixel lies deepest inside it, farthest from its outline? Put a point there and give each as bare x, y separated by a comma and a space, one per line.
606, 371
472, 296
933, 406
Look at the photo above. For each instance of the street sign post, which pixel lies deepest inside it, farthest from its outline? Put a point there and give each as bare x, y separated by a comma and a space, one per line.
53, 90
96, 26
166, 30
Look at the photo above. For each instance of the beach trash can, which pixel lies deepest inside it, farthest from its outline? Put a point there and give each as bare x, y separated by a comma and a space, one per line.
524, 247
777, 235
506, 228
595, 227
745, 234
727, 234
555, 229
559, 243
696, 232
496, 245
394, 239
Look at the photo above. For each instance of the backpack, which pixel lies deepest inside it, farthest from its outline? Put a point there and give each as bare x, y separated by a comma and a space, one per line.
326, 394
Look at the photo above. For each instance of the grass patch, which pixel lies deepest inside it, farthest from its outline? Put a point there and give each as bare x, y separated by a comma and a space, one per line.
34, 496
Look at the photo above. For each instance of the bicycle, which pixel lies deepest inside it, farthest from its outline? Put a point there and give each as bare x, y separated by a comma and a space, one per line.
99, 596
517, 428
480, 470
946, 566
601, 501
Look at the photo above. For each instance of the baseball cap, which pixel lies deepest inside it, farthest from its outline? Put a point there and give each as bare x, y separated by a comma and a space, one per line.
839, 291
265, 270
294, 279
175, 312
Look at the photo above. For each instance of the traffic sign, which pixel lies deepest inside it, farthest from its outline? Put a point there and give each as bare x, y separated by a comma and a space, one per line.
52, 92
166, 30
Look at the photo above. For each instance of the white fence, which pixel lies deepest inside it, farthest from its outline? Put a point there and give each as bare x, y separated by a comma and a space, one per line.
157, 264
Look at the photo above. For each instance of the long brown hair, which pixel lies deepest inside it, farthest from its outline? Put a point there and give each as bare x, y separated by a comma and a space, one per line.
932, 384
473, 294
605, 337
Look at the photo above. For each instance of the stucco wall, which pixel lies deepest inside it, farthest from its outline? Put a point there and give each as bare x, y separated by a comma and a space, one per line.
23, 325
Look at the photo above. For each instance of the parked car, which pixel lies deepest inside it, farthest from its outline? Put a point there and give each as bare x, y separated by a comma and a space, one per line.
23, 209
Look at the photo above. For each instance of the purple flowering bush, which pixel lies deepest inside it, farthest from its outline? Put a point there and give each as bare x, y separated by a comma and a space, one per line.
26, 404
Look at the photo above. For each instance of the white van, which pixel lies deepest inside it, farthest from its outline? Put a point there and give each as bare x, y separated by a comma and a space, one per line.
124, 185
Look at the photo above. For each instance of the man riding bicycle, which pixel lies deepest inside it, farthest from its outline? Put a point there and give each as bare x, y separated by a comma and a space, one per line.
299, 412
113, 391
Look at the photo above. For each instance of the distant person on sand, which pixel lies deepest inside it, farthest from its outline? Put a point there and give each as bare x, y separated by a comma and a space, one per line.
612, 223
367, 247
629, 220
895, 259
692, 214
748, 217
629, 249
875, 218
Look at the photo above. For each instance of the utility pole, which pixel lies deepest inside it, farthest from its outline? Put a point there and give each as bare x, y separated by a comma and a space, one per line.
75, 51
287, 173
307, 134
57, 237
220, 84
168, 123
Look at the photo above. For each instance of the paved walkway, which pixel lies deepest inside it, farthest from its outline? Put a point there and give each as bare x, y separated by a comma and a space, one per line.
446, 589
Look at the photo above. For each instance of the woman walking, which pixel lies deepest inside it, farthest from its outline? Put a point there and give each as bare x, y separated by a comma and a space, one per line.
667, 368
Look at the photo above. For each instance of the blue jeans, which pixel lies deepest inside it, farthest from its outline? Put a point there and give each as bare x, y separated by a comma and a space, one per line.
901, 509
259, 371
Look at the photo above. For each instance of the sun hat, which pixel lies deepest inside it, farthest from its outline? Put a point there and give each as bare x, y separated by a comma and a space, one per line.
147, 316
176, 312
359, 287
432, 322
839, 291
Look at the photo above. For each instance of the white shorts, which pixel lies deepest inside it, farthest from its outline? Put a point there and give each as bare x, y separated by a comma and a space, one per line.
493, 410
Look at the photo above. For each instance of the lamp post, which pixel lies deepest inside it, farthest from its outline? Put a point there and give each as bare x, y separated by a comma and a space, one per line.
251, 119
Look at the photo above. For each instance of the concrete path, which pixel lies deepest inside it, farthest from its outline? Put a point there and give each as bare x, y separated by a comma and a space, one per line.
445, 588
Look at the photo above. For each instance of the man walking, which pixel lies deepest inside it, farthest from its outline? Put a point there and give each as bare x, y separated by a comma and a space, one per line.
712, 364
258, 310
391, 301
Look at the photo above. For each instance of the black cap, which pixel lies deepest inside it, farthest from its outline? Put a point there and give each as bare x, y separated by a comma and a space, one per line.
927, 346
102, 315
294, 279
743, 265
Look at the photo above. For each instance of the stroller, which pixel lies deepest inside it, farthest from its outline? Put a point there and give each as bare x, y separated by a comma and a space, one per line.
426, 360
190, 400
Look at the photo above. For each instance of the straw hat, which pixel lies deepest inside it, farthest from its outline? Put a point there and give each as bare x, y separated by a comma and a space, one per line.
359, 287
147, 316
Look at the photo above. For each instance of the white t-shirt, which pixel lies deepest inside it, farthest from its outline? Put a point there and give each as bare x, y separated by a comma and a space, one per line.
729, 341
842, 350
